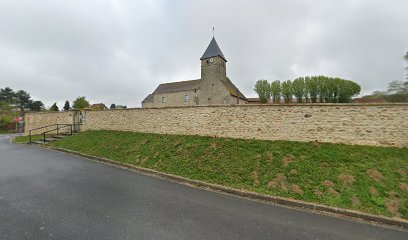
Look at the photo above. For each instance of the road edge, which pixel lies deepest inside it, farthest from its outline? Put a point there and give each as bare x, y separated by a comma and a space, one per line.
400, 223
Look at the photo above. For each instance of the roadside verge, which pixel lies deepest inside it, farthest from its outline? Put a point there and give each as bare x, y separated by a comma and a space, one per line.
401, 223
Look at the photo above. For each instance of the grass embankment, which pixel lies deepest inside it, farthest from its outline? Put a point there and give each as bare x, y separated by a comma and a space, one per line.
26, 139
369, 179
3, 131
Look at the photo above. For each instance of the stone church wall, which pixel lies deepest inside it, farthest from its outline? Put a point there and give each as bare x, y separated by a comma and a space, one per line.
362, 124
173, 99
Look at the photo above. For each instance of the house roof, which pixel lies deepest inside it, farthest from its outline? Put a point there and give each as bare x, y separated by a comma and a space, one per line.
213, 50
178, 86
234, 90
99, 105
149, 98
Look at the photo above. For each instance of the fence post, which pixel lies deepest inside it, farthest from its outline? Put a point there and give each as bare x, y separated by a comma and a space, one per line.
71, 129
57, 129
30, 137
44, 137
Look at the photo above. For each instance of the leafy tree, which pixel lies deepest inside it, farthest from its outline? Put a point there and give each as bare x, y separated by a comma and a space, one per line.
348, 89
397, 91
80, 103
263, 89
299, 89
6, 115
276, 91
66, 107
36, 106
7, 95
23, 100
396, 97
287, 91
54, 108
333, 87
112, 106
398, 87
312, 88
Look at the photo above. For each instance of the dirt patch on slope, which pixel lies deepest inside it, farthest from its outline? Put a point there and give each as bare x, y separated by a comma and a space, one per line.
288, 159
333, 192
279, 182
401, 172
403, 186
318, 193
328, 183
347, 179
375, 174
355, 201
373, 190
393, 203
296, 188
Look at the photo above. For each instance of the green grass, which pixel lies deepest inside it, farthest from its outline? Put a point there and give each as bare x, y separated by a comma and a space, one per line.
3, 131
26, 139
255, 164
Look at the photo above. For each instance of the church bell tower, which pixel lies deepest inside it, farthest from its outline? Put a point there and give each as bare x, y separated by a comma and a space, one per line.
213, 63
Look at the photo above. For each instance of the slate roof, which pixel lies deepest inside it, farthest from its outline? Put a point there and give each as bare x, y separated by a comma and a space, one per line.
213, 50
149, 98
190, 85
178, 86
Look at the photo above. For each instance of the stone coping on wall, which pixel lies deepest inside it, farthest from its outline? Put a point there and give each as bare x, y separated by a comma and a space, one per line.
265, 105
50, 112
243, 105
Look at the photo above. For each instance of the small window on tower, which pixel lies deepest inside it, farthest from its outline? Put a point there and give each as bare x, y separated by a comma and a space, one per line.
163, 99
186, 98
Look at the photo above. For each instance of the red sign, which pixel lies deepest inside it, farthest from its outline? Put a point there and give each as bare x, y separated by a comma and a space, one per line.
19, 119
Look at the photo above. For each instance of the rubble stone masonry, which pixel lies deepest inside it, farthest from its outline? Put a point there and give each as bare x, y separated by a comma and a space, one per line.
362, 124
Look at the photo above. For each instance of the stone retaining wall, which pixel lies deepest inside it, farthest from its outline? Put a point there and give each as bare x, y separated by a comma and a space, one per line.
362, 124
35, 120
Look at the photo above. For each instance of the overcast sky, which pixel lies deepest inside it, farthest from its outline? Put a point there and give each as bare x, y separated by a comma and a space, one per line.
118, 51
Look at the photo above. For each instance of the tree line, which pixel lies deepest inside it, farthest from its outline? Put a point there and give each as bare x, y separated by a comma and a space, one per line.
397, 91
82, 103
313, 89
20, 99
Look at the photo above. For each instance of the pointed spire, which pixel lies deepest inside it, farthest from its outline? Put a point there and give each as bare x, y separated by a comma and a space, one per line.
213, 50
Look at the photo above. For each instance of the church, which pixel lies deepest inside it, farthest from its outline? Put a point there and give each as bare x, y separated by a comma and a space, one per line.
214, 87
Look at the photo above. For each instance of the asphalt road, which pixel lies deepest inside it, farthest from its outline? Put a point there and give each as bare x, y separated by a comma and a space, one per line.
51, 195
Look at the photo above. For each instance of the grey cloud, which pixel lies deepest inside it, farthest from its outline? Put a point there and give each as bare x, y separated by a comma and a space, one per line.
119, 51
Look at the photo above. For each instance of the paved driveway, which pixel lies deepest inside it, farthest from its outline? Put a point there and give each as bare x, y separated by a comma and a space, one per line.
51, 195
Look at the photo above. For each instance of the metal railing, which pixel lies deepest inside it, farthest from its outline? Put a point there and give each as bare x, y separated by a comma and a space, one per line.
59, 126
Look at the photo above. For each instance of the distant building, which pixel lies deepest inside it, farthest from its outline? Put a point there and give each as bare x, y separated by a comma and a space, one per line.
120, 107
98, 106
214, 87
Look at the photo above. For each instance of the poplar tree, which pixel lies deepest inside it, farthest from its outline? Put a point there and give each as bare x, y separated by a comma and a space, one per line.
263, 89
